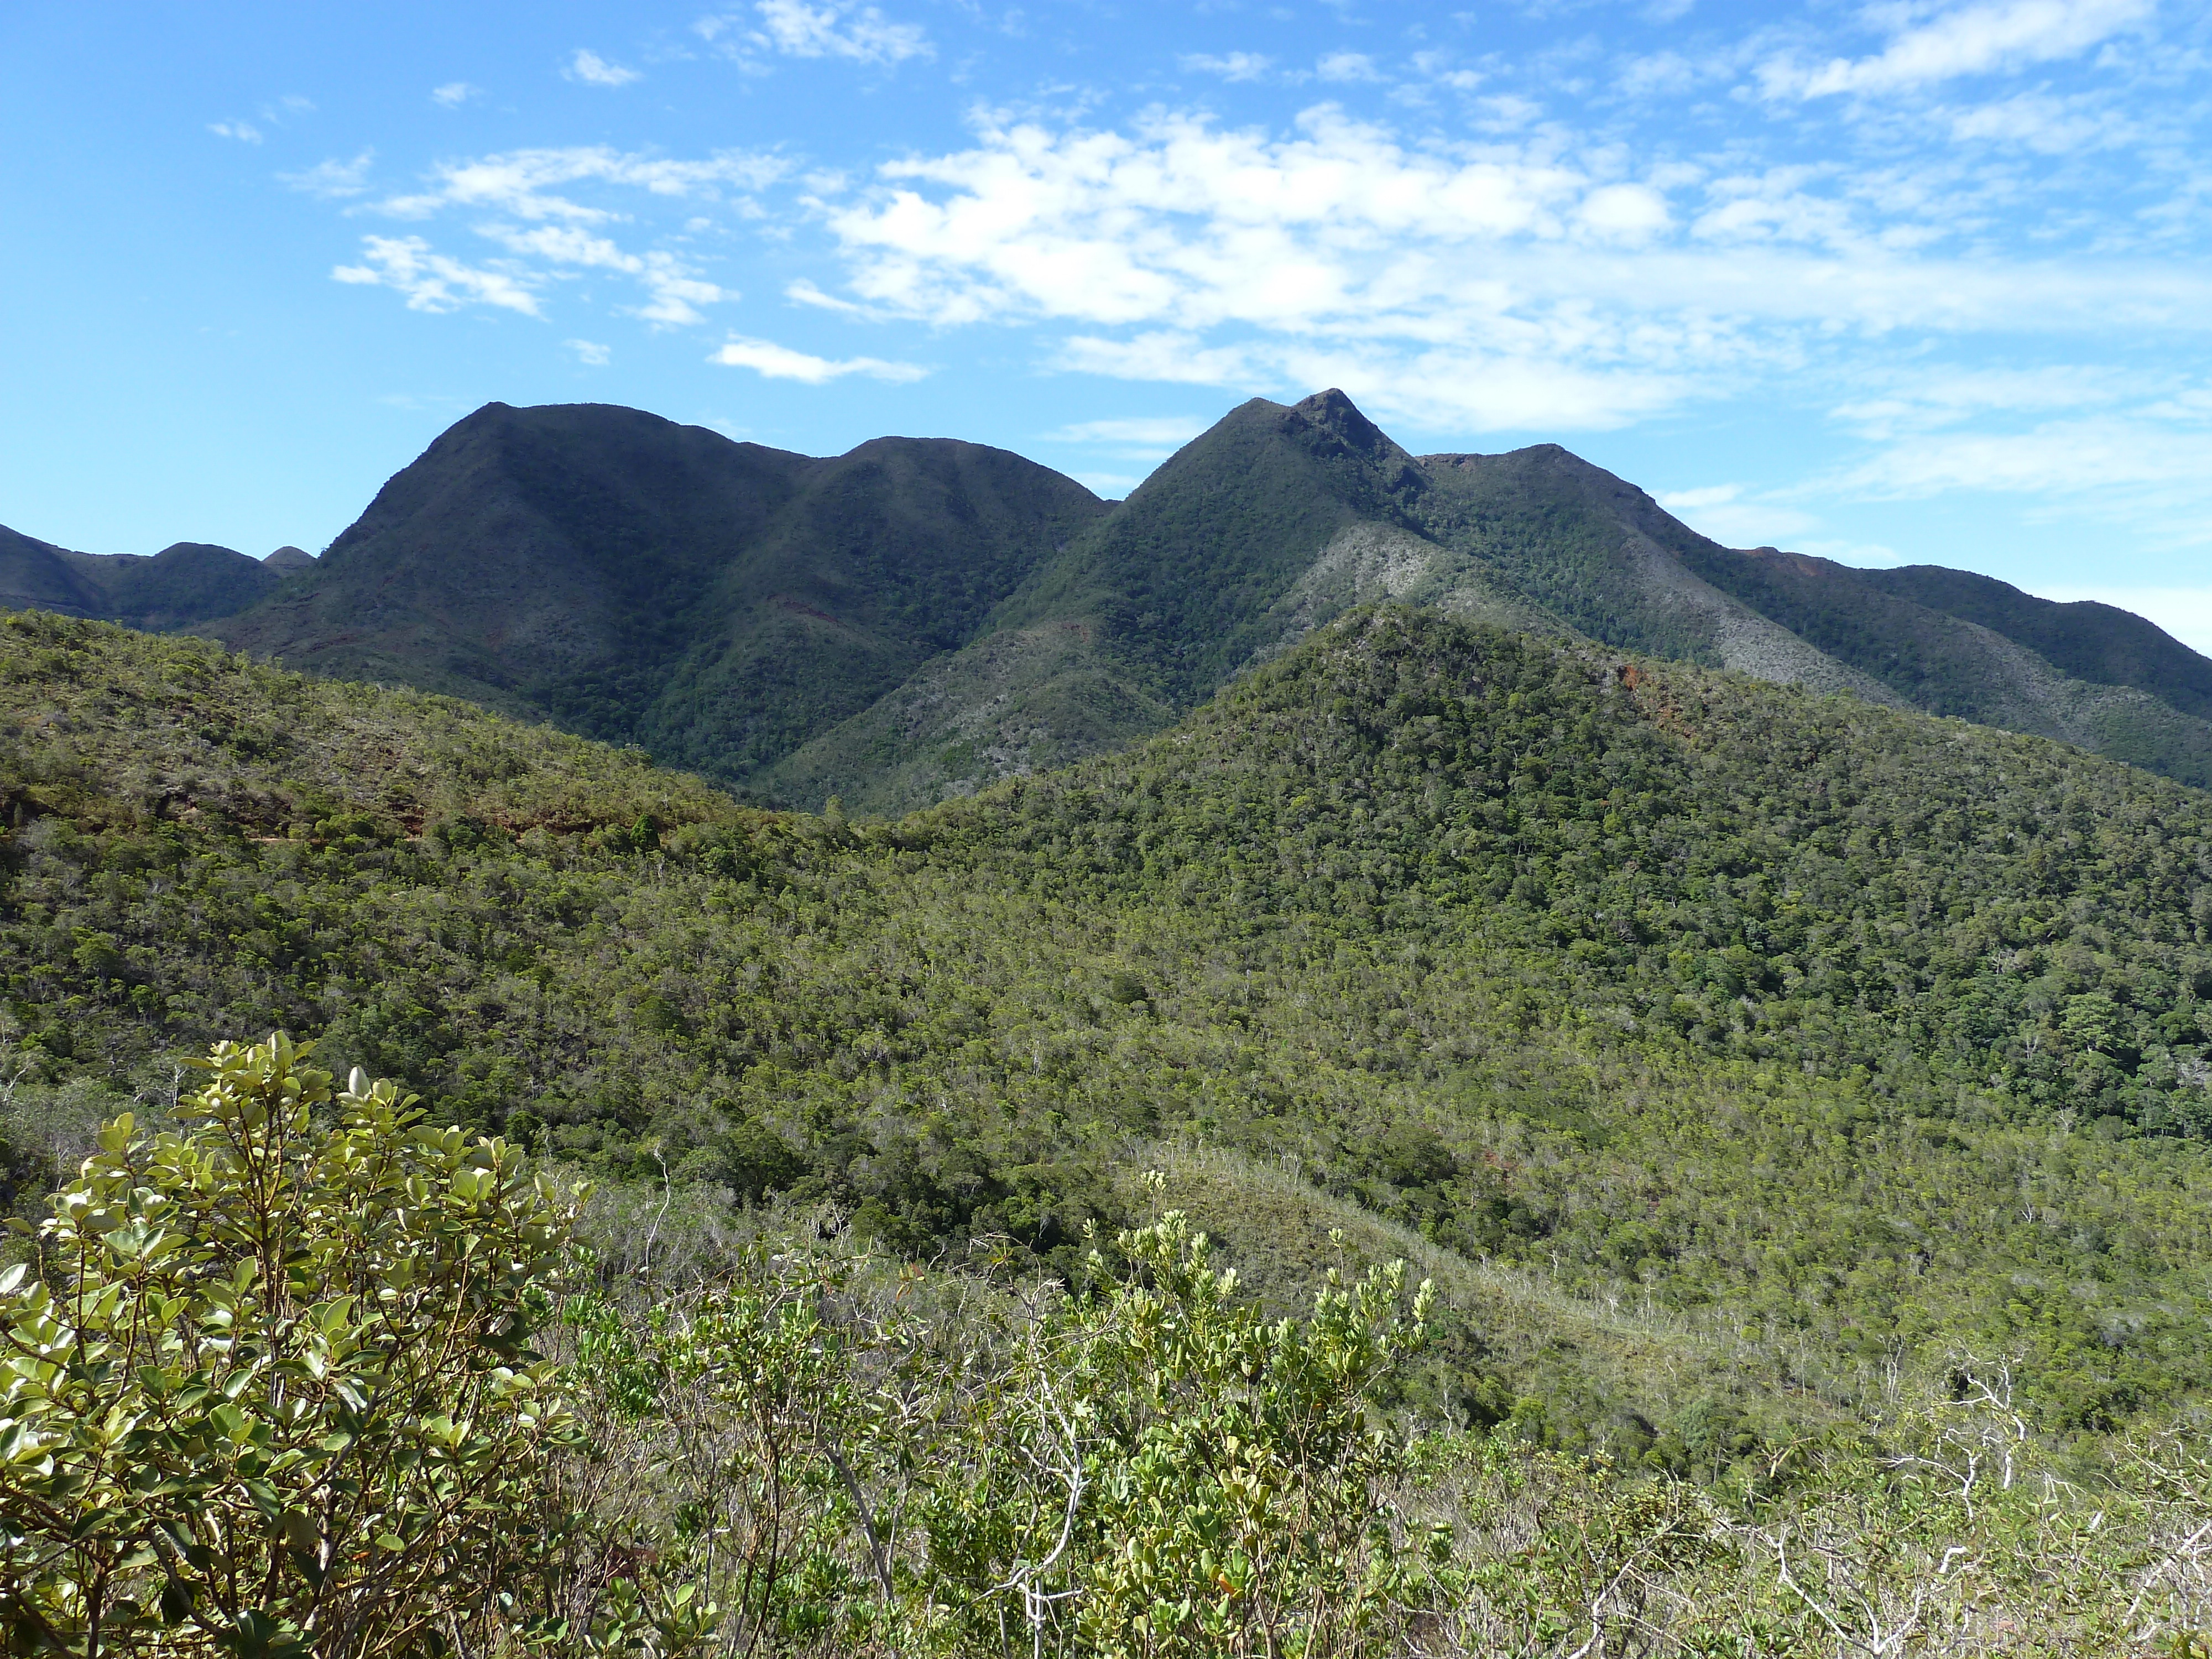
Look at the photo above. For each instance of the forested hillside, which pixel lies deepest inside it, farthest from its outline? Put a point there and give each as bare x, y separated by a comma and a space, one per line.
645, 582
1805, 1037
918, 618
182, 586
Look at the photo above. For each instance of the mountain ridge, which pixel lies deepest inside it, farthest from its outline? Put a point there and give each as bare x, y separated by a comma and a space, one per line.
649, 582
185, 584
919, 618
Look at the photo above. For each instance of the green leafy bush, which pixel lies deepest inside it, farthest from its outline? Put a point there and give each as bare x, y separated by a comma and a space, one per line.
269, 1387
1151, 1467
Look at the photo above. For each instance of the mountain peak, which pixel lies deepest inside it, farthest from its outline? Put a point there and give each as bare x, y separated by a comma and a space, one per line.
288, 559
1337, 415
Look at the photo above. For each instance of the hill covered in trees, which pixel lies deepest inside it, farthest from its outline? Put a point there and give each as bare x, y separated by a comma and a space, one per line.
719, 603
921, 617
180, 587
1718, 1046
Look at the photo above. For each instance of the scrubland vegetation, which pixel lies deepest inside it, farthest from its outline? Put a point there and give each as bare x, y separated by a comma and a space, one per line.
273, 1389
1798, 1110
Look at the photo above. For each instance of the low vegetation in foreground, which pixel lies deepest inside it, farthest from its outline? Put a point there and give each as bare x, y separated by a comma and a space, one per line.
302, 1375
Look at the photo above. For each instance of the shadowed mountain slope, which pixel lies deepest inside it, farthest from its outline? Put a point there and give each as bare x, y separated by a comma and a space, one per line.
1278, 519
2099, 643
1274, 520
189, 583
1948, 661
648, 583
921, 617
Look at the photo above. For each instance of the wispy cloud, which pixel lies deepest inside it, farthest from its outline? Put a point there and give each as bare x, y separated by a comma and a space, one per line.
531, 203
2121, 453
1150, 431
594, 70
1347, 66
674, 288
781, 362
794, 28
1736, 517
528, 183
434, 282
1970, 39
590, 353
1230, 66
333, 179
275, 112
454, 94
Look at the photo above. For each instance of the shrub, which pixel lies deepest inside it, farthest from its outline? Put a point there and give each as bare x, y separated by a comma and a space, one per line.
268, 1390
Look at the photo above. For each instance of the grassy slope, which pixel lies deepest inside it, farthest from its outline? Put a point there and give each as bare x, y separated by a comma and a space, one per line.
1831, 1033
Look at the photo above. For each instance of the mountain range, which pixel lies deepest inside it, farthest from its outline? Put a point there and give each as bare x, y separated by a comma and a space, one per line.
921, 617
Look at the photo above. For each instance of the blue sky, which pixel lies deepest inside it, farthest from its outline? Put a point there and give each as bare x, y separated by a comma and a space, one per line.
1898, 281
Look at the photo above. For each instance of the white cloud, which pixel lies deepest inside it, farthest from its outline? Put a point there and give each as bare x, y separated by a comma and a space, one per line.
862, 34
333, 179
1347, 66
524, 182
674, 289
532, 204
1150, 431
674, 292
1726, 513
779, 363
1970, 39
2105, 454
2137, 467
1624, 212
590, 353
244, 132
2184, 612
1925, 398
454, 94
594, 71
1436, 67
1510, 282
1230, 66
805, 292
1661, 73
432, 282
2043, 123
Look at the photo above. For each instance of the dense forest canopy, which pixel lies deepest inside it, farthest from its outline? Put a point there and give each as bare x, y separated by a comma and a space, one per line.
1790, 1037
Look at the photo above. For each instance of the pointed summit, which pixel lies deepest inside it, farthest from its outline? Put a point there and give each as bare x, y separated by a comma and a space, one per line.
1330, 414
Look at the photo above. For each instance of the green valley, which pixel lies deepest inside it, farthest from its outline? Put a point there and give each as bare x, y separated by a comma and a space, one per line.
1844, 1032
